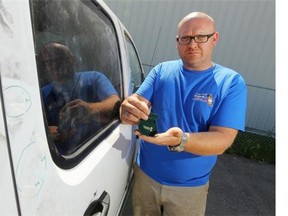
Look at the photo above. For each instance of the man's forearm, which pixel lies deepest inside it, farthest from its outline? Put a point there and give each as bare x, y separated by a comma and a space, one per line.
213, 142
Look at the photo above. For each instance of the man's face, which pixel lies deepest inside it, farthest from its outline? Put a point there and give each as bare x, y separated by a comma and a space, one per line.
197, 56
57, 67
58, 62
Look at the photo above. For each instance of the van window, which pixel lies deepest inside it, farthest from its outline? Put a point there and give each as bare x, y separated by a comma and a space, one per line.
79, 74
137, 75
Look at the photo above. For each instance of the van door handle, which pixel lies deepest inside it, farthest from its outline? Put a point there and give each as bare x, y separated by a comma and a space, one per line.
99, 207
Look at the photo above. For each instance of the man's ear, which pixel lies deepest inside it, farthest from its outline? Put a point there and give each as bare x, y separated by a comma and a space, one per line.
216, 37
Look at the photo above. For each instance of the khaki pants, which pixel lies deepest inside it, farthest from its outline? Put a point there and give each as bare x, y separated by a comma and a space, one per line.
150, 198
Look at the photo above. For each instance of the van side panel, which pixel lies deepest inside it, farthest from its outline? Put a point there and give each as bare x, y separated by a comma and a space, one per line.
43, 188
22, 108
7, 196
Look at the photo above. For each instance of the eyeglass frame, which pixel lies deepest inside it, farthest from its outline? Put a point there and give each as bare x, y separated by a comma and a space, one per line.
193, 37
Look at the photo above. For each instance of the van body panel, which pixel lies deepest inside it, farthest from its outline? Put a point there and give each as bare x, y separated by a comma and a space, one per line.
8, 199
32, 182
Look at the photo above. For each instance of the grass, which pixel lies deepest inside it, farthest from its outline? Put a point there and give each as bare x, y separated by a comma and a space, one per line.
257, 147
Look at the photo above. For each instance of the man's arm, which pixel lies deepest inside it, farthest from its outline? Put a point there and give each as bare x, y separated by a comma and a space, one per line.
213, 142
106, 109
82, 111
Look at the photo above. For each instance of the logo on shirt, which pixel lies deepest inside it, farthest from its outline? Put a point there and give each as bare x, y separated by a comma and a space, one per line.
207, 98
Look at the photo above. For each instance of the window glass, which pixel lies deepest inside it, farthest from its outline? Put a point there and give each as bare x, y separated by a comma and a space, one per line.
137, 75
79, 72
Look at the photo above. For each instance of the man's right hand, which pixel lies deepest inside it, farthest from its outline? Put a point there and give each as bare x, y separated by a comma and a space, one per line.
134, 108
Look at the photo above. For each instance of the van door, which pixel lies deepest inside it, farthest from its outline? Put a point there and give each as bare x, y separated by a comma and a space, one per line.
67, 158
8, 195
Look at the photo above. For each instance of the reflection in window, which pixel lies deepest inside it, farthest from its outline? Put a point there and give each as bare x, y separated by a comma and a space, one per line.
78, 69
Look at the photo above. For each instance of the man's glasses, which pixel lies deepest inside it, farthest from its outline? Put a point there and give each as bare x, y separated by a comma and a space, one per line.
57, 63
184, 40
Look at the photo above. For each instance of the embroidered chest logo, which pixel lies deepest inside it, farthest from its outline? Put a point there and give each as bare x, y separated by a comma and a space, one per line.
207, 98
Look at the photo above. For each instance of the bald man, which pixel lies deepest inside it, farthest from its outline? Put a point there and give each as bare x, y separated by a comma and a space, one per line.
201, 106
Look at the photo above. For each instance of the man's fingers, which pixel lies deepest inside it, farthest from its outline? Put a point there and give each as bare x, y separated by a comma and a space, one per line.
142, 106
130, 113
138, 108
129, 118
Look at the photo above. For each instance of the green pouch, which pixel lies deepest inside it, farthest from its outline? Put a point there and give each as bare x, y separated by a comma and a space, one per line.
148, 127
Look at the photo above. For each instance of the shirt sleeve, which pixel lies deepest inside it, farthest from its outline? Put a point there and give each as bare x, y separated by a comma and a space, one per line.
103, 87
232, 110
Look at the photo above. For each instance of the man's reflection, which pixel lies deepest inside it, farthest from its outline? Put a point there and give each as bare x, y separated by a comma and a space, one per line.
77, 103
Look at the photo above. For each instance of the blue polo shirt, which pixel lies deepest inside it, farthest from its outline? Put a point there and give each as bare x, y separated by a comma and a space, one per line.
192, 101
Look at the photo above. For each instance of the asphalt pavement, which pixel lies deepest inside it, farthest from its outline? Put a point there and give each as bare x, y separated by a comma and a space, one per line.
238, 187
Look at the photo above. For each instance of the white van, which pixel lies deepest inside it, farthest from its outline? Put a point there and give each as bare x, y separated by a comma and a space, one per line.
39, 175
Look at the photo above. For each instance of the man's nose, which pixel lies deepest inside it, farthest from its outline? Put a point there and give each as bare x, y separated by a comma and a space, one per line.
192, 43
